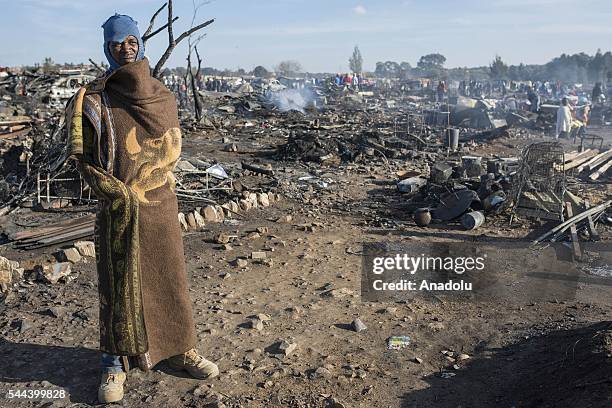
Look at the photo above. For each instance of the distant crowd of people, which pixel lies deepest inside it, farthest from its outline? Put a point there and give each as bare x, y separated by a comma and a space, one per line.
352, 81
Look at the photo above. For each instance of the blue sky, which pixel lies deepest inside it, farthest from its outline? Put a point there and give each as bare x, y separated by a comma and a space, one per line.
320, 34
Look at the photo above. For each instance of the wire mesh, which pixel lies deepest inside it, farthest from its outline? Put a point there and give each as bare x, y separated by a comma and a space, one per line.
540, 184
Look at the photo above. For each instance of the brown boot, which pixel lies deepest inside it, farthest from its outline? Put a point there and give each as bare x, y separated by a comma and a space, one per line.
194, 364
111, 387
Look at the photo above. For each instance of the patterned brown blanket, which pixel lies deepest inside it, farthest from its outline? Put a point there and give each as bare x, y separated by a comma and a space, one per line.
124, 132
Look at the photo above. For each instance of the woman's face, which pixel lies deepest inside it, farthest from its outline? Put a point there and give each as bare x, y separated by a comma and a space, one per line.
126, 51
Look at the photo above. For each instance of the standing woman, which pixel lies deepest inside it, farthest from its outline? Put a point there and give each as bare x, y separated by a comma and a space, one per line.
124, 133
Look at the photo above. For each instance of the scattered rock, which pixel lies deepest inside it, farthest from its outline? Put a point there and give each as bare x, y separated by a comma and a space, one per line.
53, 273
258, 255
264, 317
321, 372
256, 324
24, 325
284, 348
358, 325
199, 219
338, 293
223, 238
462, 357
56, 311
86, 248
210, 214
266, 262
69, 255
220, 213
191, 221
183, 221
240, 263
245, 205
263, 200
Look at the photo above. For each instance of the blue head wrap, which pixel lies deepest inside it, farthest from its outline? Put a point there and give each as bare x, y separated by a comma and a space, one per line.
116, 29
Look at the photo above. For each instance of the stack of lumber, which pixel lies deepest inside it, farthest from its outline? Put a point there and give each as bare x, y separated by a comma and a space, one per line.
592, 162
61, 232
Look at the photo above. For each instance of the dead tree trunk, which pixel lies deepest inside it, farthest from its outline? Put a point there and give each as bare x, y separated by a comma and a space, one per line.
172, 42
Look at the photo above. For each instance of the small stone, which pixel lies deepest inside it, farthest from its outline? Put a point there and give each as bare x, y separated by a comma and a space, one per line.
234, 207
240, 263
321, 372
222, 238
225, 275
252, 197
86, 248
264, 317
24, 325
69, 255
262, 230
199, 219
191, 221
245, 205
263, 200
285, 219
285, 347
228, 247
53, 273
418, 360
338, 293
183, 221
56, 311
6, 277
258, 255
220, 213
256, 324
462, 357
210, 214
266, 262
358, 325
253, 235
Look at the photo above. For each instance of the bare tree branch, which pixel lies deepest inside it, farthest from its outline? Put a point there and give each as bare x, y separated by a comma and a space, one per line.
153, 21
172, 43
160, 29
99, 68
194, 29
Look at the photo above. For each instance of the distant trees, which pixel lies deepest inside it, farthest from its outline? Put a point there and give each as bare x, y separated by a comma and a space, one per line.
498, 69
431, 65
356, 61
261, 72
392, 69
289, 68
48, 65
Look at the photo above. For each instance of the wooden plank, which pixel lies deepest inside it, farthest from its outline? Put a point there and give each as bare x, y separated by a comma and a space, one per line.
602, 170
578, 161
573, 231
39, 231
57, 232
596, 161
571, 156
591, 225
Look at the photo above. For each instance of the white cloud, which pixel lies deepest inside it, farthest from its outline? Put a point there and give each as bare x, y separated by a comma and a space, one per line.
360, 10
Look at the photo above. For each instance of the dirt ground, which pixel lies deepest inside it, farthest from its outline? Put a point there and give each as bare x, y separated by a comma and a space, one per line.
525, 353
